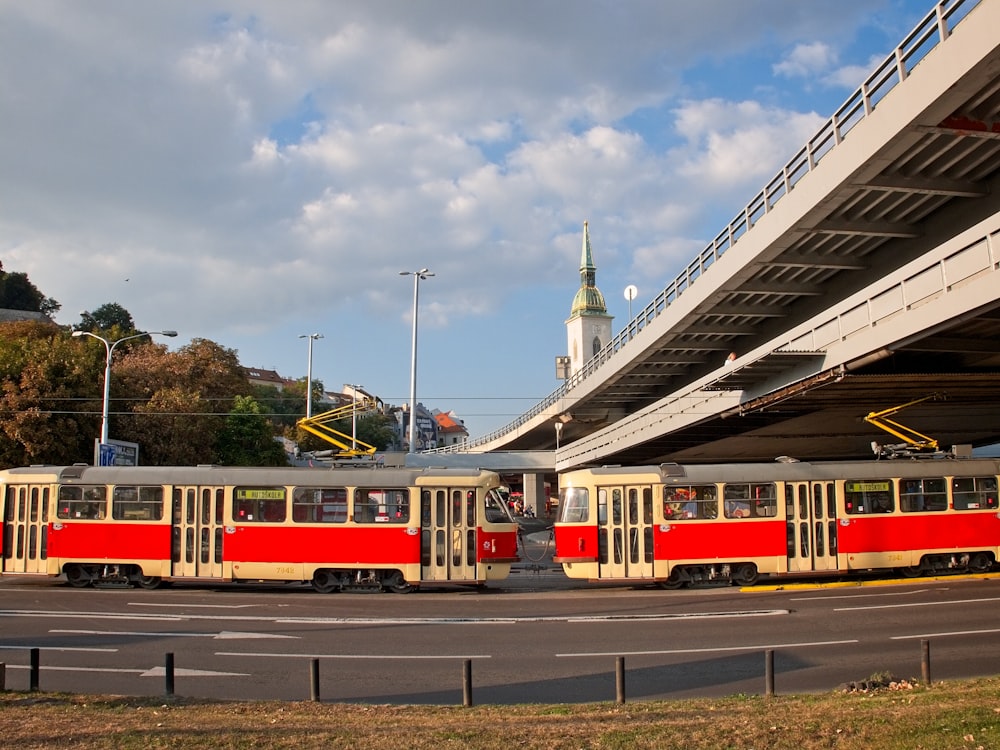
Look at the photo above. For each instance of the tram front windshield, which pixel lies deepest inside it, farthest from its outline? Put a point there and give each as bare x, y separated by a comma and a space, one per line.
497, 510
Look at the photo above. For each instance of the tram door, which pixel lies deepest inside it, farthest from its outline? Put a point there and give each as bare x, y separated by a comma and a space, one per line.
811, 515
197, 533
25, 529
625, 532
448, 534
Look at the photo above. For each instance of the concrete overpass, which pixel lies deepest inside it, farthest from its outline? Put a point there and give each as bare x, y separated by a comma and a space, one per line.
864, 275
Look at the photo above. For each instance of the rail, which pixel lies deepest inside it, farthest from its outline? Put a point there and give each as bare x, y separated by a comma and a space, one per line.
934, 29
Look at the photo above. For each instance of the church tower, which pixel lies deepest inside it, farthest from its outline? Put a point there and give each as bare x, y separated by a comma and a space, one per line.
588, 329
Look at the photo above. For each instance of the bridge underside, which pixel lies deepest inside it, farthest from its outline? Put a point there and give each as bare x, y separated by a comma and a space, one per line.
823, 417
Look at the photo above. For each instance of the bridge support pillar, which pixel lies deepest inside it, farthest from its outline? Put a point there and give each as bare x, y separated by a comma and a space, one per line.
534, 493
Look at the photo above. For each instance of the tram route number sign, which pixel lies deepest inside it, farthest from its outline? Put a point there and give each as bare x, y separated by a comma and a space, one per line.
116, 453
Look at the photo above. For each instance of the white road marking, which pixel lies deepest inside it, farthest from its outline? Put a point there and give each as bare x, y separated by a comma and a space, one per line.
993, 600
154, 672
394, 657
944, 634
764, 647
224, 635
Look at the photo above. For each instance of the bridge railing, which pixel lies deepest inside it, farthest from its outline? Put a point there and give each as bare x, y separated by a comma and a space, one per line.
935, 28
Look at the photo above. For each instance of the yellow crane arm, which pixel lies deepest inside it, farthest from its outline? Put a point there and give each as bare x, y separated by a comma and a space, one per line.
320, 426
916, 441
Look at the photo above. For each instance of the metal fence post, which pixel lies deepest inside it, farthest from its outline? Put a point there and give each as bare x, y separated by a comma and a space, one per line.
620, 679
769, 672
925, 661
33, 676
168, 673
467, 683
314, 680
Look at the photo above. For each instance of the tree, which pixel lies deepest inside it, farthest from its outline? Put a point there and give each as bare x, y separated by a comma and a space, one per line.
177, 402
248, 438
45, 376
105, 318
18, 293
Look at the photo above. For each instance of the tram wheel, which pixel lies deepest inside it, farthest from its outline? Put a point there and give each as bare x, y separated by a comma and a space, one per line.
149, 582
77, 576
397, 584
745, 574
911, 571
673, 582
325, 582
980, 562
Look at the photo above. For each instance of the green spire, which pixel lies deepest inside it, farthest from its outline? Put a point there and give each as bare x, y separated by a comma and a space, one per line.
588, 299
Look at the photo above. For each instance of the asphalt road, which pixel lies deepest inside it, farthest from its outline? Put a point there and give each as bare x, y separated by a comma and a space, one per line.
536, 638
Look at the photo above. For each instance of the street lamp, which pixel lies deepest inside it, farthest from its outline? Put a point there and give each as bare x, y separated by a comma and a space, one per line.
423, 273
309, 372
354, 415
109, 347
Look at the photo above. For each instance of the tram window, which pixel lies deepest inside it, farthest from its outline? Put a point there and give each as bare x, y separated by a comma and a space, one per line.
633, 506
789, 501
137, 503
972, 493
259, 504
574, 505
82, 502
869, 496
382, 505
456, 508
440, 506
750, 500
917, 495
831, 504
33, 507
470, 508
689, 502
206, 508
497, 510
425, 513
616, 507
319, 505
647, 505
9, 509
220, 499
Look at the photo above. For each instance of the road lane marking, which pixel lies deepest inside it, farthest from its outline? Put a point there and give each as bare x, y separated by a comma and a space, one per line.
224, 635
60, 648
720, 649
153, 672
261, 654
993, 600
944, 634
279, 620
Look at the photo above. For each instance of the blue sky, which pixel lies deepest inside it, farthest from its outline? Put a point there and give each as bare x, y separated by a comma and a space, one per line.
251, 171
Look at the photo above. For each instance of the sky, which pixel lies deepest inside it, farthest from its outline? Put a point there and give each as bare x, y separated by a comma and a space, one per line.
251, 171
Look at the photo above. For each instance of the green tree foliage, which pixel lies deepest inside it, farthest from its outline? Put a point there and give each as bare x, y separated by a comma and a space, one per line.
44, 374
18, 293
108, 317
176, 402
248, 437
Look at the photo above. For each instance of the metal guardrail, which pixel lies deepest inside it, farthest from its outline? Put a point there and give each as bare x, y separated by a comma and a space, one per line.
934, 29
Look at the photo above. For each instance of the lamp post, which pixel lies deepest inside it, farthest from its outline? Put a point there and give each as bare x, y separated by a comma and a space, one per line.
309, 372
354, 415
109, 347
423, 273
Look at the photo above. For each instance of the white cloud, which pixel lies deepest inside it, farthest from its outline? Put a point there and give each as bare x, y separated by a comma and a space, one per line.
807, 60
250, 165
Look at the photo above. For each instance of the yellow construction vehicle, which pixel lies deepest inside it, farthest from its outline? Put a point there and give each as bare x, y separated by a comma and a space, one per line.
321, 425
915, 444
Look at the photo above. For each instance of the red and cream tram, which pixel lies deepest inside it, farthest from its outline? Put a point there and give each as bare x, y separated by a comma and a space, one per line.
338, 529
673, 524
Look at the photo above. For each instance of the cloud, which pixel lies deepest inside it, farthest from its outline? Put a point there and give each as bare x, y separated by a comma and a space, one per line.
250, 165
